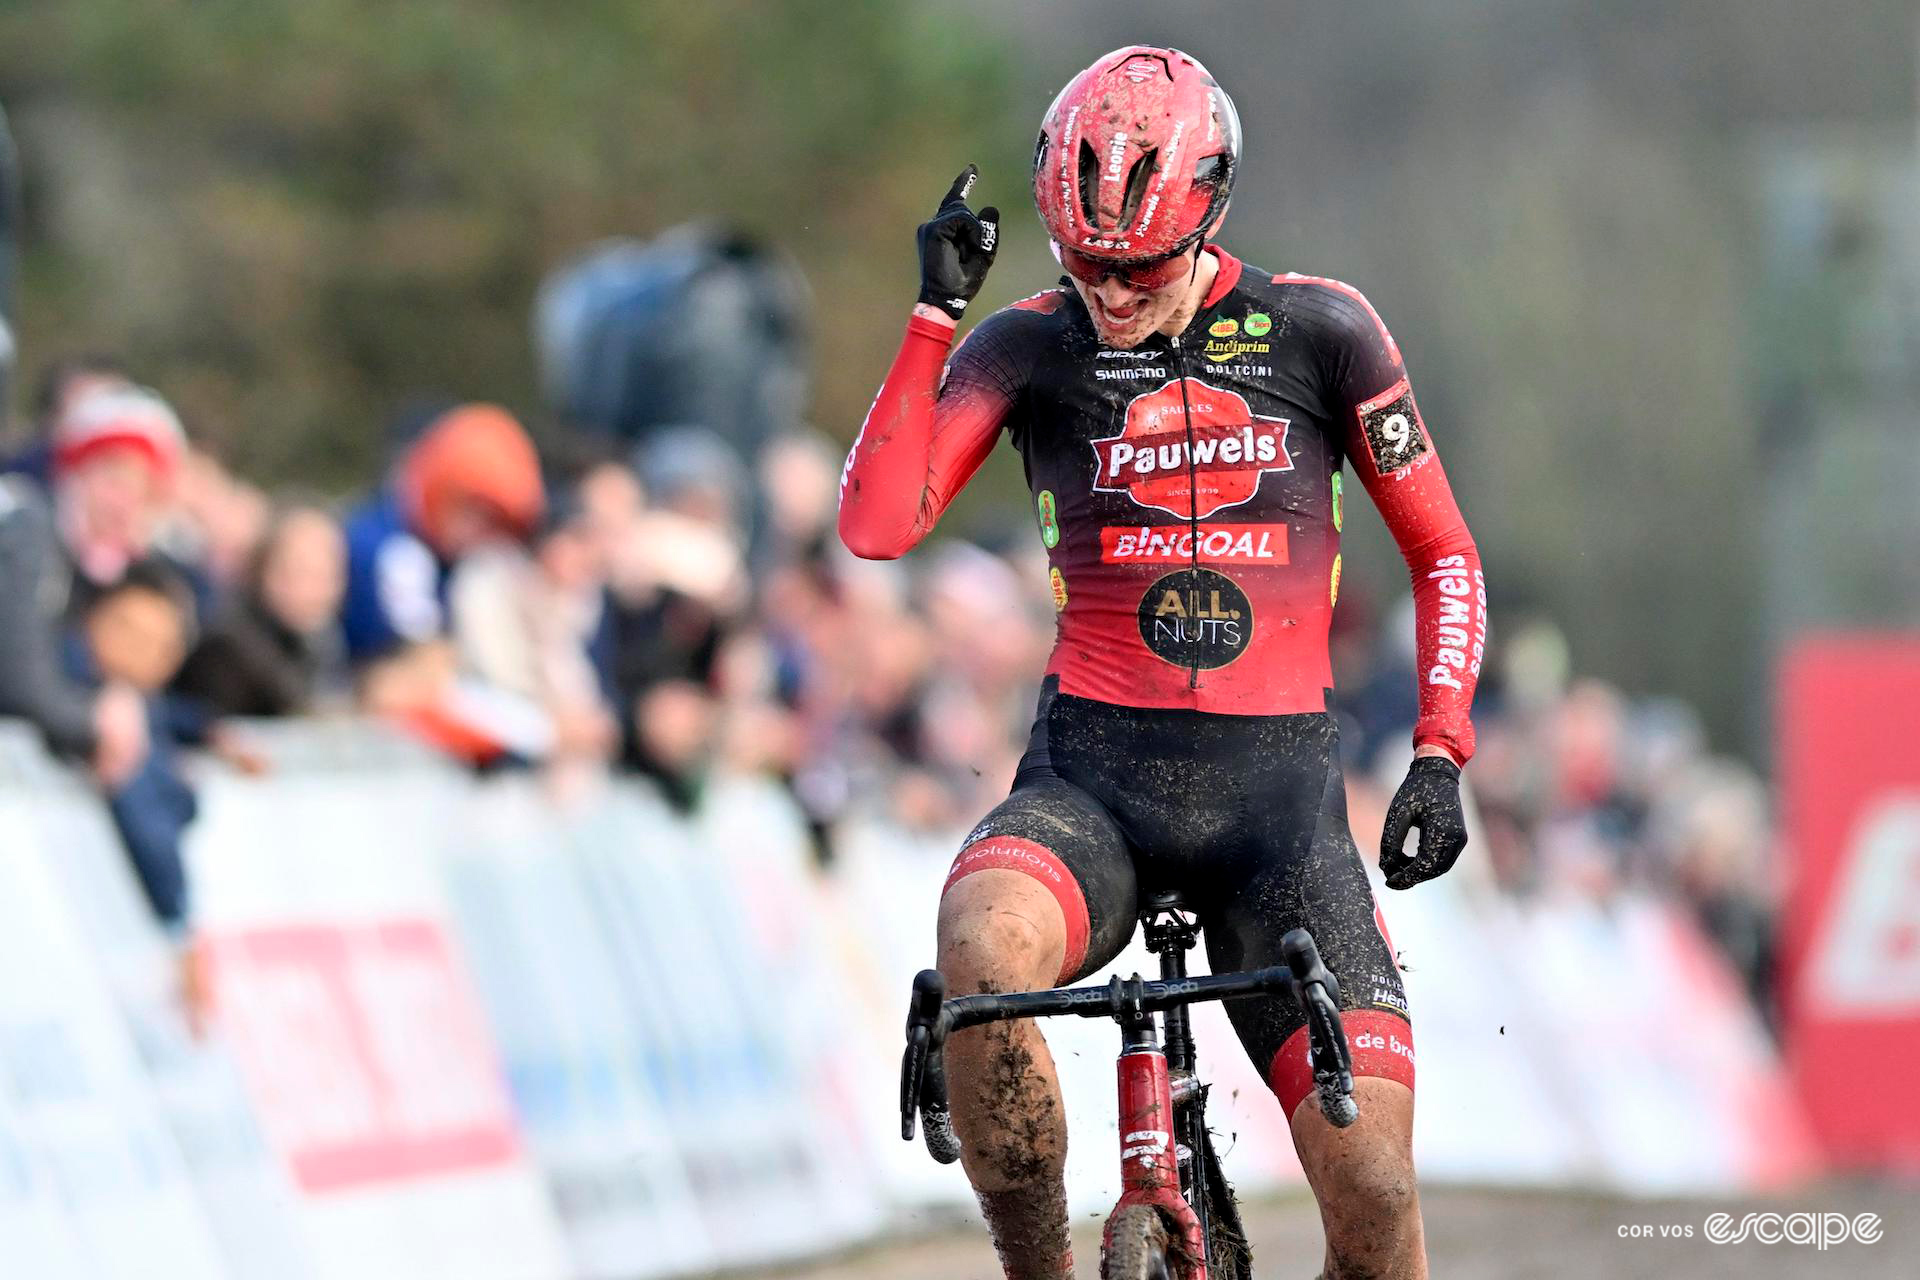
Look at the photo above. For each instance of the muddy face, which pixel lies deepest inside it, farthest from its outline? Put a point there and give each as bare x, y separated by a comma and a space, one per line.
1125, 316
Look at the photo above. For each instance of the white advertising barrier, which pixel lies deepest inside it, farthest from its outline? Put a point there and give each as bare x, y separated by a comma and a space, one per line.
1660, 1054
92, 1184
771, 1173
348, 1006
245, 1192
576, 1056
772, 894
668, 1021
1491, 1107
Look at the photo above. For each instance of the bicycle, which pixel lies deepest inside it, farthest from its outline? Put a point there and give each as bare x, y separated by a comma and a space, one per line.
1176, 1218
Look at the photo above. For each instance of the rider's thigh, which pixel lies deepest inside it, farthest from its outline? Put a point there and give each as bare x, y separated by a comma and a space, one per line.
1048, 856
1000, 930
1310, 875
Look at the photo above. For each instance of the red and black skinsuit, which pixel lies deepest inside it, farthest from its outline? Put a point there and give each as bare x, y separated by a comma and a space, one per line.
1189, 495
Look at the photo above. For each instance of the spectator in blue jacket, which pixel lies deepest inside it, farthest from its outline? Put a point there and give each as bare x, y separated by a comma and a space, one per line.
133, 635
470, 480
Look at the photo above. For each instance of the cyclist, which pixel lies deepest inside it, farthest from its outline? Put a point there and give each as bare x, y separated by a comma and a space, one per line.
1184, 420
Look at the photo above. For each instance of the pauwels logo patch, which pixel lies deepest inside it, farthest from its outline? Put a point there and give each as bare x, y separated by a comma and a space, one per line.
1153, 460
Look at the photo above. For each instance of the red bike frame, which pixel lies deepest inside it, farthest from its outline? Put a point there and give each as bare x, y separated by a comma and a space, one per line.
1150, 1157
1155, 1076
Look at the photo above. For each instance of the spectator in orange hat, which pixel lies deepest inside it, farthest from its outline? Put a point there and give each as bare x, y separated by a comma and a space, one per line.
470, 481
471, 478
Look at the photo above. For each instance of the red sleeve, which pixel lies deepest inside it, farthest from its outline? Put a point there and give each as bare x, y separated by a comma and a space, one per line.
1394, 458
922, 441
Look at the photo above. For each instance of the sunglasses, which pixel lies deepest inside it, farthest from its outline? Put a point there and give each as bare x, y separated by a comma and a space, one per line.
1154, 273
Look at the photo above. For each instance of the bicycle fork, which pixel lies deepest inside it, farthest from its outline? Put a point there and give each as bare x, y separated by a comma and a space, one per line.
1150, 1150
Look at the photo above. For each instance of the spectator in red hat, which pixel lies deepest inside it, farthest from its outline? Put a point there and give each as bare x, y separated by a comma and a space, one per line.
115, 450
61, 384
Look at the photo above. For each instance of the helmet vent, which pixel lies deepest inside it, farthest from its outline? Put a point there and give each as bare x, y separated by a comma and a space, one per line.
1137, 180
1089, 181
1210, 171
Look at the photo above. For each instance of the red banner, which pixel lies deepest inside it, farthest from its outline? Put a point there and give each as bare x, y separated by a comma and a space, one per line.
1849, 757
364, 1050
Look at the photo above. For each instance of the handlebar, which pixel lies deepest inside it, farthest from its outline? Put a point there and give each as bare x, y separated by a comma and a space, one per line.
932, 1017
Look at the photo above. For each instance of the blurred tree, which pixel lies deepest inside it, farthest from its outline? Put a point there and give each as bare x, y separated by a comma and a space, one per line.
9, 220
293, 214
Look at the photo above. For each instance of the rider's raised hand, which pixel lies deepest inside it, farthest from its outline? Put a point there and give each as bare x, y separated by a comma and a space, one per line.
1430, 800
956, 248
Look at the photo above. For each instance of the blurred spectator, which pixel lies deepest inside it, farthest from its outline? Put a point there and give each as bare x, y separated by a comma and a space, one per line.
471, 480
271, 650
117, 455
219, 522
679, 590
114, 453
531, 624
133, 635
799, 477
63, 382
1720, 855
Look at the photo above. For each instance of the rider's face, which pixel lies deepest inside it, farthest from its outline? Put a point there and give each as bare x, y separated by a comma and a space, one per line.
1125, 313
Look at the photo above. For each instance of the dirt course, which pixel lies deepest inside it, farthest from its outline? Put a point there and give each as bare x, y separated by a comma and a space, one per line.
1497, 1235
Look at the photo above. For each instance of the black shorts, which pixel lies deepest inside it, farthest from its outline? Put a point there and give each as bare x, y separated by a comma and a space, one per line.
1246, 817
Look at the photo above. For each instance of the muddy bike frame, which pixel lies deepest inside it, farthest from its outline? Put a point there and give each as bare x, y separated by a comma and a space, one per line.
1167, 1159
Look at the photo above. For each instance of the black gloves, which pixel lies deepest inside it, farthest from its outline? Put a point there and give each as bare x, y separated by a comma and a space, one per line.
956, 248
1430, 800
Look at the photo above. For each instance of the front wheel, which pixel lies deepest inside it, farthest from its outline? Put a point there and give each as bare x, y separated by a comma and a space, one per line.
1136, 1246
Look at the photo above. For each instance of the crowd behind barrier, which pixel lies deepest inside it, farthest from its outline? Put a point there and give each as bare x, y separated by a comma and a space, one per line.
474, 1026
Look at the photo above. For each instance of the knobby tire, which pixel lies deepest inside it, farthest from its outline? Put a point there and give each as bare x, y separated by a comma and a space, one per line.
1136, 1246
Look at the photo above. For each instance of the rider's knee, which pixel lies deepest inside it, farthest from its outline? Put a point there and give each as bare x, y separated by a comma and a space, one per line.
1000, 929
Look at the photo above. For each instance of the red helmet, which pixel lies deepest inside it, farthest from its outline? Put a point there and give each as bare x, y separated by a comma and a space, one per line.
1136, 156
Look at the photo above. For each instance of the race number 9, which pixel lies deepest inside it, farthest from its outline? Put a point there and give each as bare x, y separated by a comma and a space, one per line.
1394, 434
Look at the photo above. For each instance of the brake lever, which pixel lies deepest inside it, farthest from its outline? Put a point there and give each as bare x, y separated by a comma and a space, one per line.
912, 1070
923, 1071
1318, 994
